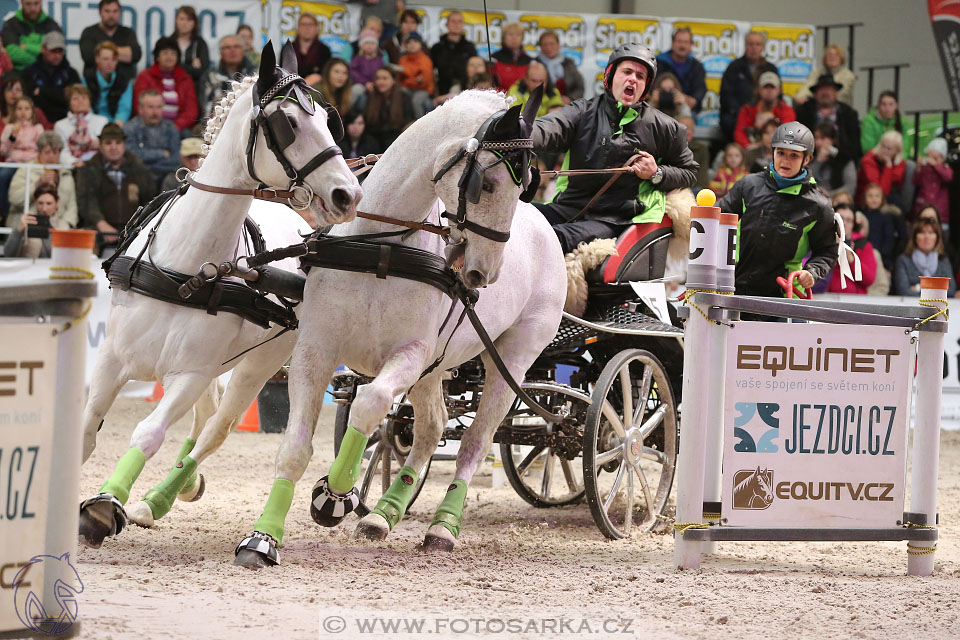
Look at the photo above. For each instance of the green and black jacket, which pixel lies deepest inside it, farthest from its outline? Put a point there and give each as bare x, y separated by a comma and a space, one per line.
600, 133
778, 229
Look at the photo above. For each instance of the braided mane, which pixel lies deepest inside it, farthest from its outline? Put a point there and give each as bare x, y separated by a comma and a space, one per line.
222, 110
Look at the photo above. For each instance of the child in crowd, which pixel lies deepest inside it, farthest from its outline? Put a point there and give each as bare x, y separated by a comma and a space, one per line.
363, 67
18, 142
733, 169
933, 177
417, 74
887, 227
859, 243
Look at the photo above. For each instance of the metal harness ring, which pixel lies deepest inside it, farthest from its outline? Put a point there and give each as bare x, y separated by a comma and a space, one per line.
296, 202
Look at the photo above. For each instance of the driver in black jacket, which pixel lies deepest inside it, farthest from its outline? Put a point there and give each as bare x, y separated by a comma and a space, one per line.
603, 133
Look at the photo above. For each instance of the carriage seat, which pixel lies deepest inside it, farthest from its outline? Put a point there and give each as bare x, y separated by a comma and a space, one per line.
641, 254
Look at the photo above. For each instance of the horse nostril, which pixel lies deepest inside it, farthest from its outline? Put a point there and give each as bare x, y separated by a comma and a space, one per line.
474, 279
341, 199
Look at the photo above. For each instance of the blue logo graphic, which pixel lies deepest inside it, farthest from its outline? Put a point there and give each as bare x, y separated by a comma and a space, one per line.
28, 602
747, 429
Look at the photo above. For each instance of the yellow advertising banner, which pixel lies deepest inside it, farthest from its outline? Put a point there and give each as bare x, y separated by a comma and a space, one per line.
475, 30
333, 20
612, 31
715, 45
791, 49
570, 30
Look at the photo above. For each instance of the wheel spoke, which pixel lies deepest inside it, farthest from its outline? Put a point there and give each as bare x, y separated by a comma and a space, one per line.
524, 466
367, 479
649, 453
571, 479
547, 475
611, 415
646, 490
626, 391
628, 518
643, 398
607, 456
653, 421
615, 487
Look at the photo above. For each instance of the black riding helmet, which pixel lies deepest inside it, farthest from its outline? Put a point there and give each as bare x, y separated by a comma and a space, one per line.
637, 53
794, 136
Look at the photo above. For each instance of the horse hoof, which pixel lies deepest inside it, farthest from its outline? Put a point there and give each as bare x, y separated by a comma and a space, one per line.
100, 517
141, 514
436, 544
197, 492
328, 508
372, 528
256, 551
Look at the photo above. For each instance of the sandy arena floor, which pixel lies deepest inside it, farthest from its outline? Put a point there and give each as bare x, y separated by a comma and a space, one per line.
548, 573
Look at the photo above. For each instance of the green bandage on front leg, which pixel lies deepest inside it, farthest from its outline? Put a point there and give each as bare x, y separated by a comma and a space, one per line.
393, 504
124, 475
278, 505
160, 498
345, 470
185, 450
449, 514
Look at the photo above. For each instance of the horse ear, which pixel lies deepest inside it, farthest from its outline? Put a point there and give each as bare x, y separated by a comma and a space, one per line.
508, 127
530, 109
268, 65
288, 58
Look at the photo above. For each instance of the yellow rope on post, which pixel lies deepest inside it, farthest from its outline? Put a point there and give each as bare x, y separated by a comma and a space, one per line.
79, 273
688, 298
683, 526
920, 551
929, 302
712, 516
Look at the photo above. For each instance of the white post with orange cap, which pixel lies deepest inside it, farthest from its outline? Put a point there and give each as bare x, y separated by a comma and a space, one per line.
926, 430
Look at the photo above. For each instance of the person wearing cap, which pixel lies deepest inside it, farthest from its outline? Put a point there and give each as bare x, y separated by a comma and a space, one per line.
153, 138
826, 107
769, 100
933, 178
110, 30
605, 132
312, 54
364, 65
111, 186
536, 76
783, 217
46, 79
738, 83
23, 33
191, 149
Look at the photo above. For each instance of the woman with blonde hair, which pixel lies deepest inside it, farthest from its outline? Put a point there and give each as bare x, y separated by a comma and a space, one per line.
834, 63
510, 62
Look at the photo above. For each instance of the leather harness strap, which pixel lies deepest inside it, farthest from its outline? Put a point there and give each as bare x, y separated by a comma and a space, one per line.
273, 195
603, 189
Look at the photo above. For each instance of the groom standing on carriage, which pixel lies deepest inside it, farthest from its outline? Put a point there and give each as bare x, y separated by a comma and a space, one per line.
610, 130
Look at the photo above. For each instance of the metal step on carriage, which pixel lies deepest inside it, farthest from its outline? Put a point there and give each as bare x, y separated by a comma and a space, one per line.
617, 446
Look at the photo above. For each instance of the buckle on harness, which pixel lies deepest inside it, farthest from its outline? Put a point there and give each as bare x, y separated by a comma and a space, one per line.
208, 273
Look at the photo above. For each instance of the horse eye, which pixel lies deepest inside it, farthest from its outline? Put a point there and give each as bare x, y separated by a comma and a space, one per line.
487, 186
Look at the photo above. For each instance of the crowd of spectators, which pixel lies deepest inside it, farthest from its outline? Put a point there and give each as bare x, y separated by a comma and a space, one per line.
125, 128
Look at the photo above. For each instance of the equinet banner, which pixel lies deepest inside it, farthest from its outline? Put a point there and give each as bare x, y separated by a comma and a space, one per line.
815, 425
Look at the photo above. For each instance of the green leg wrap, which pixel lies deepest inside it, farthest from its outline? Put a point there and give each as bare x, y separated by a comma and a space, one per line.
450, 512
278, 504
185, 450
161, 497
394, 502
345, 470
124, 475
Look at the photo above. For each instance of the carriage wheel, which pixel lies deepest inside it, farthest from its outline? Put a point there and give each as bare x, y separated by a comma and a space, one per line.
543, 475
379, 470
630, 444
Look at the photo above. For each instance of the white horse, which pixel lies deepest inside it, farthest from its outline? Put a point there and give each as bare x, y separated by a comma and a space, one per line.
392, 327
186, 348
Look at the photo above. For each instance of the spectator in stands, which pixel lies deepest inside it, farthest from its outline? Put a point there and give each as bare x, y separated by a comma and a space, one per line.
356, 141
19, 244
389, 110
925, 256
374, 24
47, 78
109, 29
335, 85
194, 55
232, 66
23, 33
933, 178
50, 145
768, 99
111, 88
383, 11
80, 130
536, 76
312, 54
759, 155
481, 82
701, 153
688, 70
18, 143
832, 172
450, 56
734, 168
739, 80
855, 241
883, 224
112, 185
191, 150
417, 74
825, 106
882, 118
510, 62
250, 52
834, 64
393, 45
475, 67
884, 165
11, 88
364, 66
6, 64
175, 85
668, 97
153, 138
563, 70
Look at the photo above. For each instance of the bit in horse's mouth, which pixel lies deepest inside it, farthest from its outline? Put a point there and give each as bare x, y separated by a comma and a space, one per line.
455, 256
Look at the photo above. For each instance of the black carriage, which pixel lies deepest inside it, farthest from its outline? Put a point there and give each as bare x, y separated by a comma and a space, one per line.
617, 444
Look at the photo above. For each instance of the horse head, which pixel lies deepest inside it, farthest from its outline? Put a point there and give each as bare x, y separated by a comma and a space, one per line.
292, 121
764, 483
497, 172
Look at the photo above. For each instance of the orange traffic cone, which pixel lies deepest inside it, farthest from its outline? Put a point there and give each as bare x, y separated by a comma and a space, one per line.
251, 419
157, 393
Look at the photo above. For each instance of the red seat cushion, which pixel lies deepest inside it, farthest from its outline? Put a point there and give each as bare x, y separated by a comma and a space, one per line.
627, 240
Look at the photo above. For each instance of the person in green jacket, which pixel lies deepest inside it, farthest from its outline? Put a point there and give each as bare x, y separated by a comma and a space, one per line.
22, 34
536, 75
882, 118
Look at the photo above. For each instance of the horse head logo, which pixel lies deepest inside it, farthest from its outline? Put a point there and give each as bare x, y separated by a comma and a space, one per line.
27, 595
753, 488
